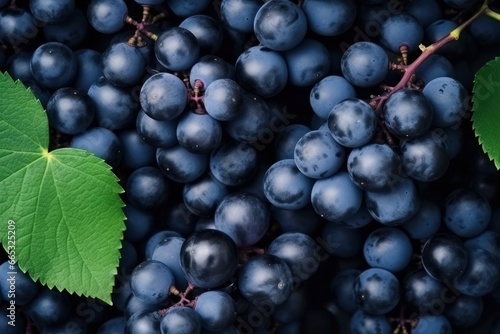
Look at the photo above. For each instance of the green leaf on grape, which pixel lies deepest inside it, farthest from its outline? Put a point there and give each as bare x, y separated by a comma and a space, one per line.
61, 212
486, 109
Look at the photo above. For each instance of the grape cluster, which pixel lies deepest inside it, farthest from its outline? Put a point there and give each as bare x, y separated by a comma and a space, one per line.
289, 166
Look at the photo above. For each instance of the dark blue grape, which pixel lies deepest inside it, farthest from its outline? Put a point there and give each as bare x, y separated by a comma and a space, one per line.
427, 294
328, 92
70, 111
440, 29
222, 99
128, 258
216, 309
341, 241
374, 166
73, 325
179, 219
341, 289
49, 307
6, 322
208, 32
51, 11
425, 11
393, 205
209, 258
376, 291
336, 197
183, 8
426, 222
72, 31
239, 15
488, 240
242, 216
115, 106
465, 311
177, 49
19, 65
233, 163
147, 188
203, 195
286, 187
280, 25
265, 280
89, 68
360, 218
139, 223
382, 243
198, 133
352, 122
295, 307
17, 27
262, 71
136, 152
449, 100
209, 69
481, 31
101, 142
123, 64
180, 320
329, 18
435, 66
151, 281
466, 213
482, 274
167, 252
54, 65
180, 165
307, 63
444, 257
155, 239
408, 113
143, 322
107, 16
430, 323
364, 323
365, 64
401, 30
461, 4
163, 96
156, 133
114, 325
285, 142
304, 220
317, 155
453, 140
13, 281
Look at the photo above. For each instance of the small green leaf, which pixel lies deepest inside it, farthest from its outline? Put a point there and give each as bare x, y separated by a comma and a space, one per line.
65, 203
486, 109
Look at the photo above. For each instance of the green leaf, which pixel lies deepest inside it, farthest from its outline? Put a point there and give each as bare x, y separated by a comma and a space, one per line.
65, 203
486, 109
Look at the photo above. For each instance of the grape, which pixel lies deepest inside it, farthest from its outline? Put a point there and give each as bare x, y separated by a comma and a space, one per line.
465, 311
136, 305
70, 111
128, 259
54, 65
101, 142
151, 281
233, 163
363, 322
19, 66
329, 18
317, 154
177, 49
51, 11
216, 310
444, 257
352, 122
341, 289
424, 158
298, 250
143, 322
239, 15
155, 132
167, 252
115, 106
242, 216
179, 219
425, 293
426, 222
210, 68
342, 241
488, 240
440, 29
295, 307
123, 64
136, 152
180, 320
48, 307
373, 166
286, 187
17, 27
460, 3
466, 213
393, 205
147, 188
208, 32
435, 66
72, 31
280, 25
336, 197
198, 133
303, 220
183, 8
481, 31
382, 243
203, 195
287, 139
408, 113
114, 325
307, 63
209, 258
376, 291
359, 219
329, 92
425, 11
180, 165
364, 64
107, 16
25, 287
453, 140
401, 30
89, 68
265, 280
155, 239
449, 100
222, 99
163, 96
262, 71
428, 323
482, 274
